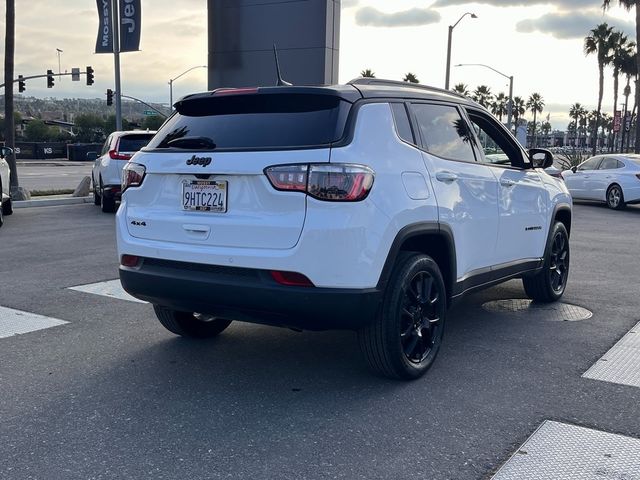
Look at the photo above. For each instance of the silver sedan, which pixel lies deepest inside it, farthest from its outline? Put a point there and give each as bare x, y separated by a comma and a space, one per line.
614, 179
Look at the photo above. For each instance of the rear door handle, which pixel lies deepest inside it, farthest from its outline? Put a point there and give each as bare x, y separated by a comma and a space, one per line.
507, 183
446, 176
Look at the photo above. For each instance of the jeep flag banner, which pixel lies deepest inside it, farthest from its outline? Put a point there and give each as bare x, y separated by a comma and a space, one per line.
130, 15
130, 25
104, 44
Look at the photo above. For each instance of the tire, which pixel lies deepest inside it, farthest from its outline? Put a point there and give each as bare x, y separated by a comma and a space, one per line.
7, 207
96, 195
615, 197
549, 284
107, 203
405, 338
189, 324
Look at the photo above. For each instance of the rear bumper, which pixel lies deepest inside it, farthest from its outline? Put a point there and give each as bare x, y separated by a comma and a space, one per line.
249, 295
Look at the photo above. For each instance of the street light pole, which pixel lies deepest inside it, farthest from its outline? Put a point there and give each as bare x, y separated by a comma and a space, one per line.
59, 68
510, 78
171, 80
451, 27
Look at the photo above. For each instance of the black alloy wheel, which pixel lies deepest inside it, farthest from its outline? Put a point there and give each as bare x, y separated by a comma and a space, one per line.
403, 340
548, 284
559, 264
421, 324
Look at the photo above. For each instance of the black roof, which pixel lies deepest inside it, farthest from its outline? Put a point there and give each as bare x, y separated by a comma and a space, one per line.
353, 91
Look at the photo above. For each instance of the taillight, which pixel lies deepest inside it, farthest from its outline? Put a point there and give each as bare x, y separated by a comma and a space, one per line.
288, 177
114, 155
132, 175
329, 182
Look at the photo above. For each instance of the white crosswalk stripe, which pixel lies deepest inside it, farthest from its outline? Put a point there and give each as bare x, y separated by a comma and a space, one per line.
17, 322
110, 288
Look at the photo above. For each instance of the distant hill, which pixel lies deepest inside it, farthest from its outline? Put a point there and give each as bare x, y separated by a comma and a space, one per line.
67, 108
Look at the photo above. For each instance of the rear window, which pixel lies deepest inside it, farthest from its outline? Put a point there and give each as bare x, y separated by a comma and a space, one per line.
133, 143
258, 121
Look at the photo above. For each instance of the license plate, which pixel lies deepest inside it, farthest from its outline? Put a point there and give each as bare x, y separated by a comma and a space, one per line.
204, 196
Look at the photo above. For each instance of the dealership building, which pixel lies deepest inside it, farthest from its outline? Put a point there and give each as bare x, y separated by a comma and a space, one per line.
242, 34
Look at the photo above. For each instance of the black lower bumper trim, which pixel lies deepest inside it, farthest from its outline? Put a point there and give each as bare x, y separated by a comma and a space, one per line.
249, 295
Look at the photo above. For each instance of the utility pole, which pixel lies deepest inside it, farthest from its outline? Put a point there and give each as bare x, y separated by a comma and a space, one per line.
9, 125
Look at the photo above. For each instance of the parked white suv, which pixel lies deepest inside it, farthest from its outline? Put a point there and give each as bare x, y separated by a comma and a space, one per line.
106, 175
6, 207
368, 206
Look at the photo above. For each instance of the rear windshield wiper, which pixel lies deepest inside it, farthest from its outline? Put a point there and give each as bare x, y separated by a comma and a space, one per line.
201, 143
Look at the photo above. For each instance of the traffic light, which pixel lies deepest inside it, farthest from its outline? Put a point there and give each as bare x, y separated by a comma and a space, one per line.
21, 86
109, 96
89, 75
49, 78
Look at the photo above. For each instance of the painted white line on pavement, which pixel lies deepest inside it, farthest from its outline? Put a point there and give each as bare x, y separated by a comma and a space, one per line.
621, 364
17, 322
557, 451
110, 288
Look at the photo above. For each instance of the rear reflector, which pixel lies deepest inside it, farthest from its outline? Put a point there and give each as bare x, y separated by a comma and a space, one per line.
130, 261
291, 279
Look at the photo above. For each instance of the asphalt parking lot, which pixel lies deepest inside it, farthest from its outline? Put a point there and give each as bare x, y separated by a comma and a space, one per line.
111, 394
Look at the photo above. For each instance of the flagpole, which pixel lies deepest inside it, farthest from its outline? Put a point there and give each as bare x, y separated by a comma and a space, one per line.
116, 61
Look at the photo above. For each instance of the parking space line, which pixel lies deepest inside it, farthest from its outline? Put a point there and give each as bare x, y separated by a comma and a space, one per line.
110, 288
17, 322
561, 451
621, 364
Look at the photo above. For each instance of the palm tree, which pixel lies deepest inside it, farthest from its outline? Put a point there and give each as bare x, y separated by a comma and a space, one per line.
518, 110
629, 4
9, 122
629, 69
619, 57
599, 43
367, 73
411, 78
461, 89
577, 112
535, 104
499, 106
482, 95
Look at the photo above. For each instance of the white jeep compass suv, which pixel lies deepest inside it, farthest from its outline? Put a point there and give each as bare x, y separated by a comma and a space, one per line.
369, 206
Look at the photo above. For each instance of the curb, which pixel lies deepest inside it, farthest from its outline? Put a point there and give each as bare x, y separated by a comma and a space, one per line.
50, 202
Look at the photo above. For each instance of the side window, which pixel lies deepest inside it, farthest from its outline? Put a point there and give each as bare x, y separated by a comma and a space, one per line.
610, 164
105, 147
497, 147
444, 132
403, 125
591, 164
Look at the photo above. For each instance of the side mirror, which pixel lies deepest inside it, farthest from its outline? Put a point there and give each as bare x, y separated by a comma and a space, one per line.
91, 156
541, 158
5, 151
574, 169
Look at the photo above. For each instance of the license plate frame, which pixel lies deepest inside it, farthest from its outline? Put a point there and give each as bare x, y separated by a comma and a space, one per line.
199, 189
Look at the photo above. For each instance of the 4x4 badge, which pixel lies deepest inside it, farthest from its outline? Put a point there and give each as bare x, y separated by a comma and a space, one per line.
204, 161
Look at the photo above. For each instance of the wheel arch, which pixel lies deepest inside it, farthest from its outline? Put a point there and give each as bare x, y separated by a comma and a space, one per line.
431, 239
563, 214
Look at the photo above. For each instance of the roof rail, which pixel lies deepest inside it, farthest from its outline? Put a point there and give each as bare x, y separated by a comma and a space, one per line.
396, 83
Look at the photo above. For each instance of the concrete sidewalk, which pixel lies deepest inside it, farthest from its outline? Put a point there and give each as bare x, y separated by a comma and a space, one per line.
52, 200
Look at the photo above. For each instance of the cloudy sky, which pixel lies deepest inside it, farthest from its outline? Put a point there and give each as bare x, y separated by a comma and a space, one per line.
539, 42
